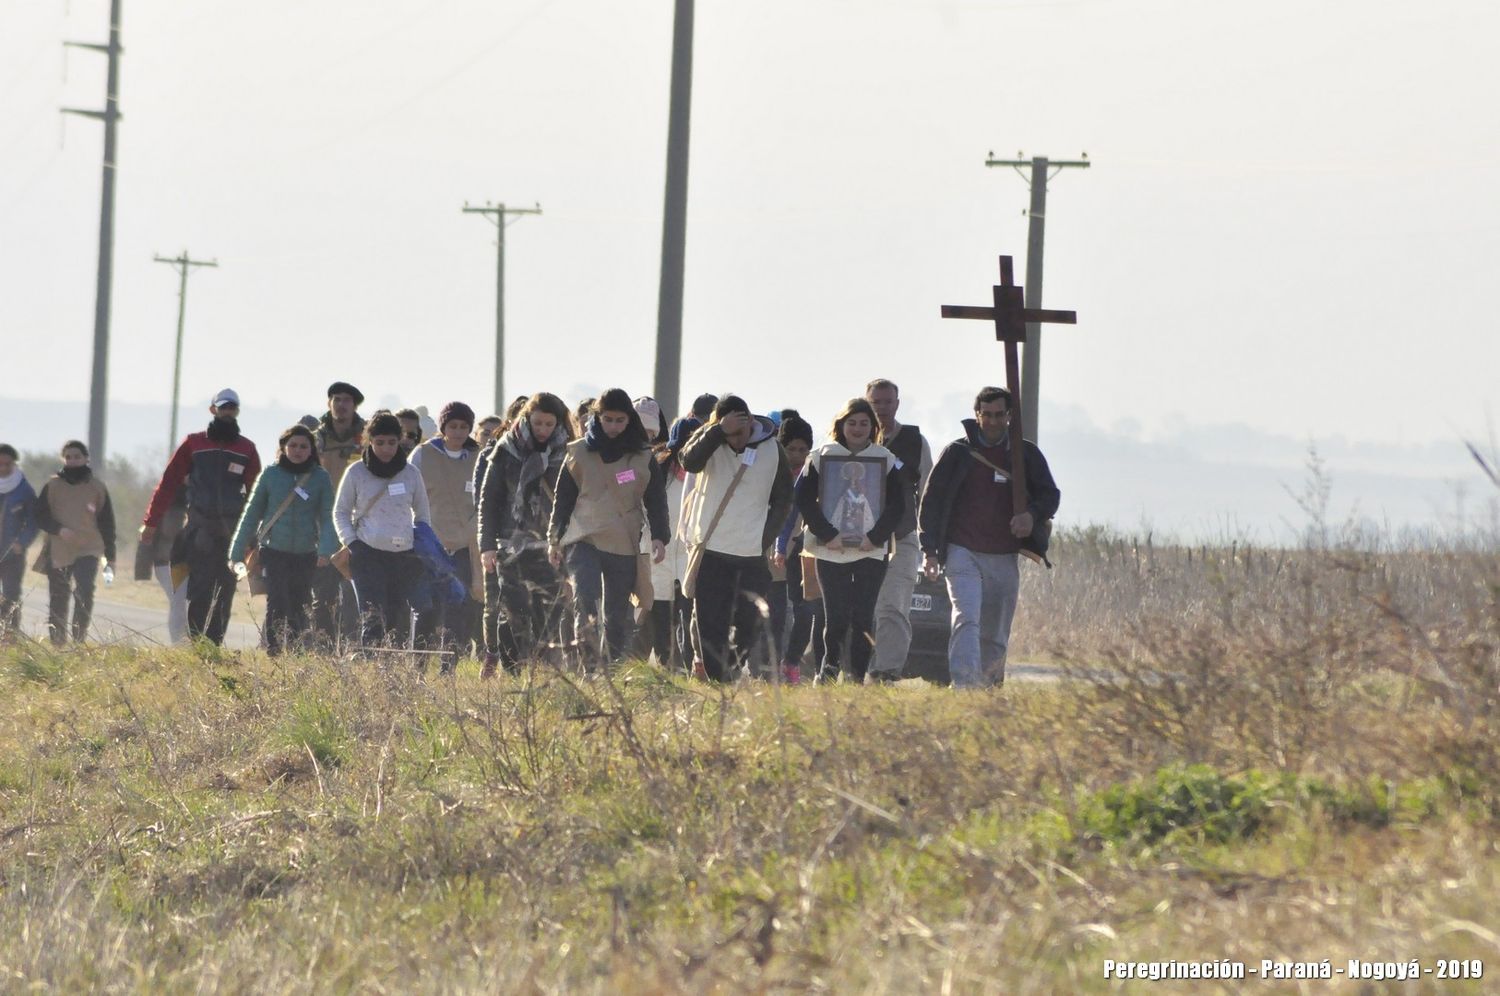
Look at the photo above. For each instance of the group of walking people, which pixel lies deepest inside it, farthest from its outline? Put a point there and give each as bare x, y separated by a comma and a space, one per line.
721, 541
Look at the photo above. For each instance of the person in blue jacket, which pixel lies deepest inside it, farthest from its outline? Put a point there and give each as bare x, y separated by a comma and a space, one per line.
289, 516
17, 529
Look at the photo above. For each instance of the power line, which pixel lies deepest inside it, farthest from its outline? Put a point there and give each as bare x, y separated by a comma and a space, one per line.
1042, 170
183, 264
496, 215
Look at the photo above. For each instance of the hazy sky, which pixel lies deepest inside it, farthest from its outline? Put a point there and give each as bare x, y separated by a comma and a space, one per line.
1291, 220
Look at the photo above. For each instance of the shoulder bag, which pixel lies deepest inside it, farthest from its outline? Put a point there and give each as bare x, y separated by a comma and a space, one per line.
695, 550
1033, 547
340, 558
255, 571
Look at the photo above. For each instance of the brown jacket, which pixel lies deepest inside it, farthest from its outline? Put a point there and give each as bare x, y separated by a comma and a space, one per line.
337, 452
609, 513
82, 508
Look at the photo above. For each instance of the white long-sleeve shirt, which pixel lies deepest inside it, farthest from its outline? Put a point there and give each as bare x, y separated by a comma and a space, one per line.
389, 522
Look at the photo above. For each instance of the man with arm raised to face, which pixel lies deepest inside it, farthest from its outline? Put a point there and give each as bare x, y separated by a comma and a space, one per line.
893, 606
741, 496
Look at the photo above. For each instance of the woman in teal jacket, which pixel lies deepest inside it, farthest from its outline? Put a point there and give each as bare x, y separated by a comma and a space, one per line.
289, 515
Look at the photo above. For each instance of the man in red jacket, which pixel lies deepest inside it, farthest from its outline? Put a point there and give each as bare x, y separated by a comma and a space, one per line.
218, 467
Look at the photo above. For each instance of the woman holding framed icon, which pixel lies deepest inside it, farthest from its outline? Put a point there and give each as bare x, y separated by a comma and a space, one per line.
851, 497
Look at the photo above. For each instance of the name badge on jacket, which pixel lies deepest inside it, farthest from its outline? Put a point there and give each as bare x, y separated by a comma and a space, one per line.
399, 488
625, 477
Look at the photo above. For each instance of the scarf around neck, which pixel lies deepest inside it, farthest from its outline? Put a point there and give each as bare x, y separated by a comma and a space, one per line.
9, 484
384, 468
356, 426
534, 460
285, 463
224, 430
75, 475
609, 450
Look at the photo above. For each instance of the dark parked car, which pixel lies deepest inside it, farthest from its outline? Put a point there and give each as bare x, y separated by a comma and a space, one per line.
931, 615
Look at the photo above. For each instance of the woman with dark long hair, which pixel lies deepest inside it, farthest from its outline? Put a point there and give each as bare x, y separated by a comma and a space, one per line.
522, 590
610, 488
845, 536
289, 517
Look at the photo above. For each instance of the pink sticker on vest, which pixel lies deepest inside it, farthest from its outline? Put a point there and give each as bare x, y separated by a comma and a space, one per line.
625, 477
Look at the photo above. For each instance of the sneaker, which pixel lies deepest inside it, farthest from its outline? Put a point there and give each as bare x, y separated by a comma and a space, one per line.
491, 662
791, 674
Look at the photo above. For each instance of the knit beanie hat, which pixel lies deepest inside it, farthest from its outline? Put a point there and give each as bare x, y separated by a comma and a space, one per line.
682, 431
650, 413
455, 410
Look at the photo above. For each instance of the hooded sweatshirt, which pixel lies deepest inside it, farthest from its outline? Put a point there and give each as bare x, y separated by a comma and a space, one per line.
17, 513
760, 502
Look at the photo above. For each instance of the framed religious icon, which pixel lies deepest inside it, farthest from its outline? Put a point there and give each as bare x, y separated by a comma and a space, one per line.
851, 494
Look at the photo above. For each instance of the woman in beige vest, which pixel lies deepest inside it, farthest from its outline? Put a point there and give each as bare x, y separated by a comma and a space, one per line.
447, 465
74, 510
609, 488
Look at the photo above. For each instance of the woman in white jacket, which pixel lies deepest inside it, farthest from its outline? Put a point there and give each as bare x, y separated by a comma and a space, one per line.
380, 501
847, 539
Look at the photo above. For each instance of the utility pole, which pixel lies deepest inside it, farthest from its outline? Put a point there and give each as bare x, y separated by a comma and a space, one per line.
674, 216
1031, 359
183, 263
99, 385
496, 214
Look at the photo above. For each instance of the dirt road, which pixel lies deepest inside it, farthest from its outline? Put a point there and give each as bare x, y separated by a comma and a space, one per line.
119, 622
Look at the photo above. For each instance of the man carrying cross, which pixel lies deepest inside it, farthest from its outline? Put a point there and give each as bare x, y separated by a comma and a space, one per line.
970, 528
980, 507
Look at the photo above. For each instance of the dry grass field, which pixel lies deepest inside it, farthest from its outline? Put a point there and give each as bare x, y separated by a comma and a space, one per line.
1280, 755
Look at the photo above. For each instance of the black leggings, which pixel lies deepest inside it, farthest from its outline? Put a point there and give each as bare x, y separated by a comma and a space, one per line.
849, 594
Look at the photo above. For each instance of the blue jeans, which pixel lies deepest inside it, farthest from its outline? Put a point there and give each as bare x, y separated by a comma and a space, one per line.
592, 570
983, 588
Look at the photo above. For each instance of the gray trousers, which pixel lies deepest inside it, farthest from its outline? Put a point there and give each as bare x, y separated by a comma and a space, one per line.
893, 607
176, 602
983, 588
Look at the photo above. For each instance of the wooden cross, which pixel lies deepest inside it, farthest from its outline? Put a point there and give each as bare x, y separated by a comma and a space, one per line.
1010, 316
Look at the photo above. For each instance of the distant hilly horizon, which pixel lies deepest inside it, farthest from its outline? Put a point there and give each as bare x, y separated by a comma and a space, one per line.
1194, 482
